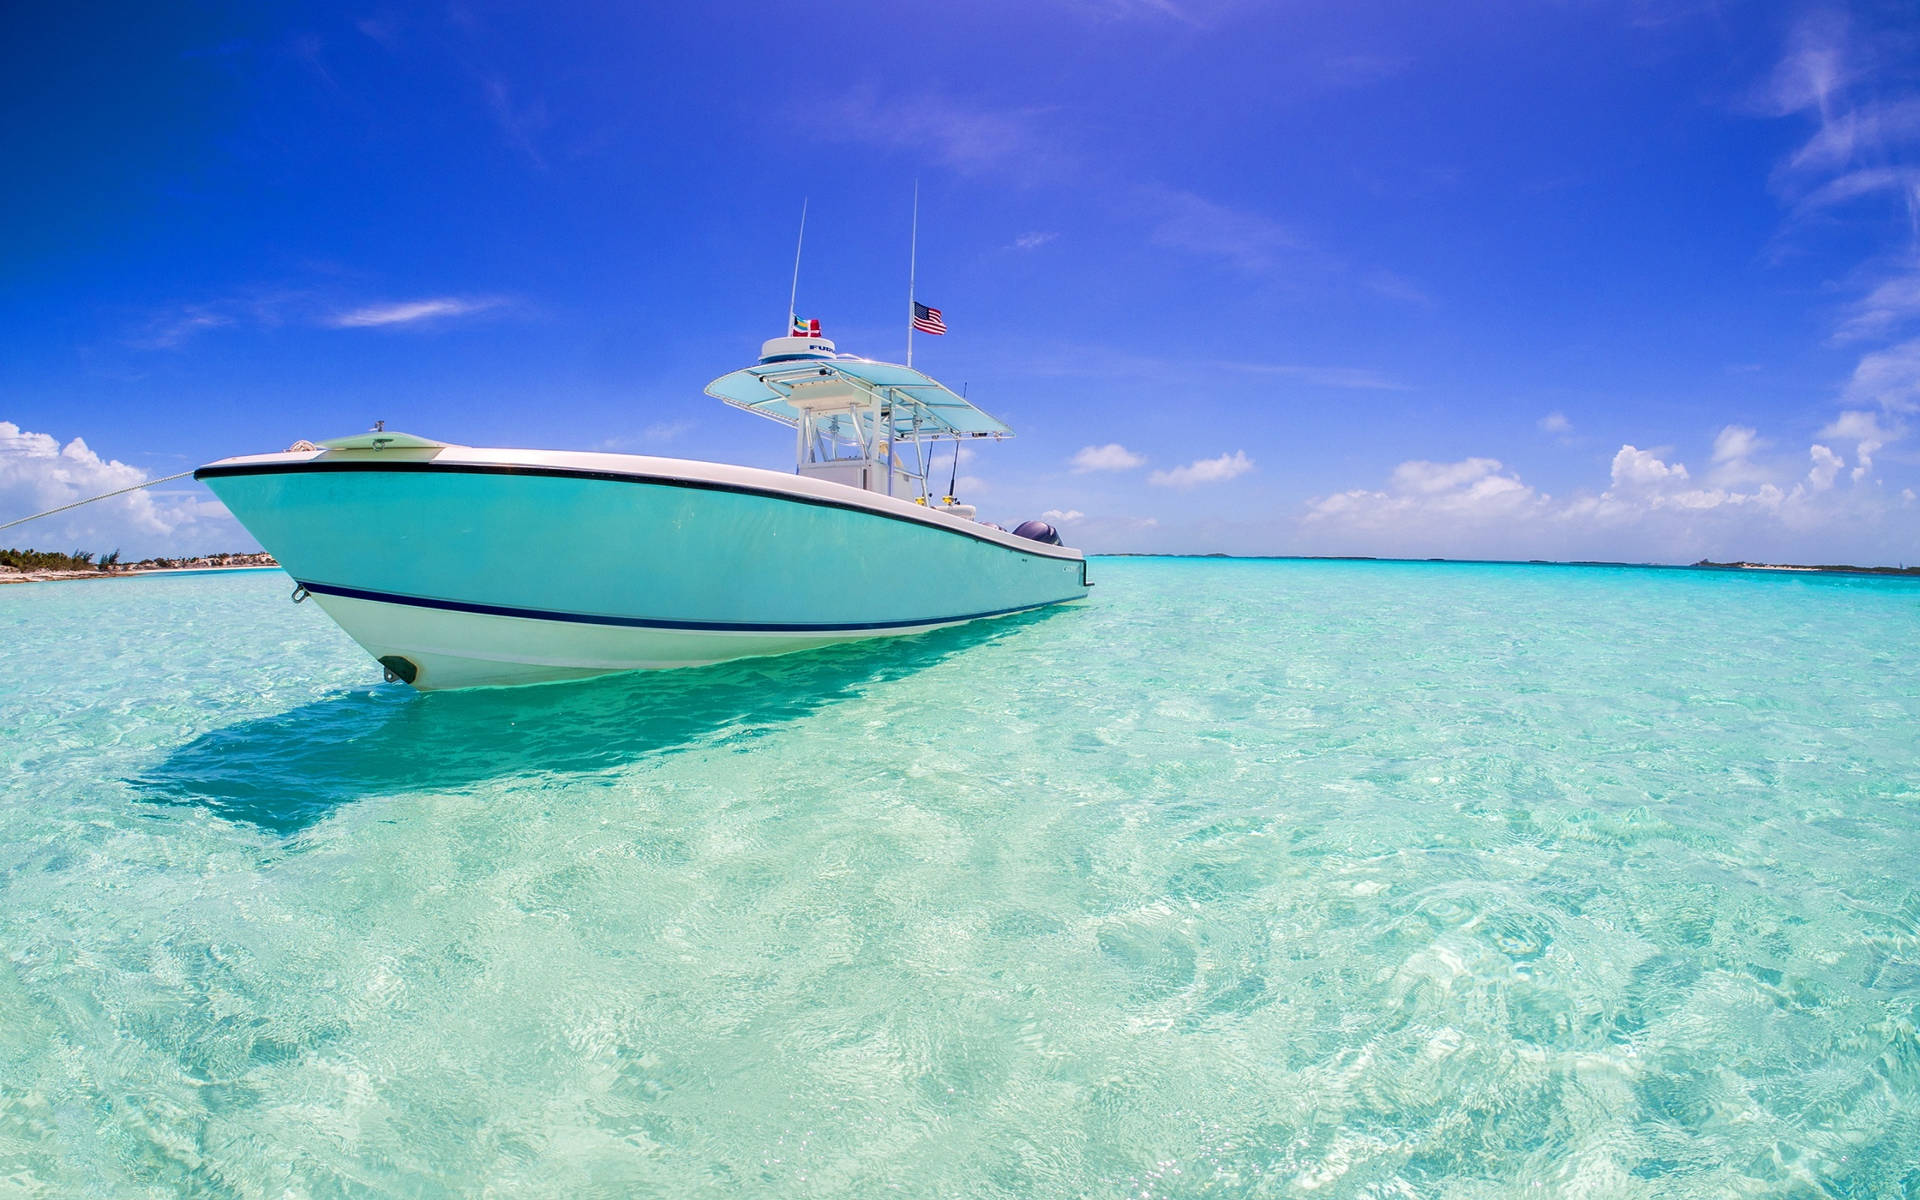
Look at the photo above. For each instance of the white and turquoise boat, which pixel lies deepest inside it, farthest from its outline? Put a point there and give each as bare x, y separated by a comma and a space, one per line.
460, 566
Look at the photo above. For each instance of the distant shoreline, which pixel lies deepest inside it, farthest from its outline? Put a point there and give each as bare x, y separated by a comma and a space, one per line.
150, 566
254, 562
1702, 565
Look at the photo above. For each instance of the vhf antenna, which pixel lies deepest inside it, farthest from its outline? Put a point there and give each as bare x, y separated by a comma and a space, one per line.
794, 294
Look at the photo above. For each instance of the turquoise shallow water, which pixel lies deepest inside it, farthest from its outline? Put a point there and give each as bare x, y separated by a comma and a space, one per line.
1248, 879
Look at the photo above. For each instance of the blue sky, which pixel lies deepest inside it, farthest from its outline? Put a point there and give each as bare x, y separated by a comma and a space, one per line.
1584, 280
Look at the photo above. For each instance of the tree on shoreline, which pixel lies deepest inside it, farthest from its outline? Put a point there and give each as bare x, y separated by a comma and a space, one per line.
86, 560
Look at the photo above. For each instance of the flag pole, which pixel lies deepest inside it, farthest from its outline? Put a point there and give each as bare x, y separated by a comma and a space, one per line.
794, 294
913, 255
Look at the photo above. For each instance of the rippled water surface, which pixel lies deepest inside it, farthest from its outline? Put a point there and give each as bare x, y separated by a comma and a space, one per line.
1247, 879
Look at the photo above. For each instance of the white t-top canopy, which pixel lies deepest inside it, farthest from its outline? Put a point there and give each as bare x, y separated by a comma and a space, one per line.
917, 405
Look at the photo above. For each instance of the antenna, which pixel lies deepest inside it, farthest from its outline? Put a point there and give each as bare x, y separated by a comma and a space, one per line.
794, 294
913, 254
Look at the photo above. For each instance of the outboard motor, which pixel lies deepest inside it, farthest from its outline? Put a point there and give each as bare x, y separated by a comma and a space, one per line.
1038, 531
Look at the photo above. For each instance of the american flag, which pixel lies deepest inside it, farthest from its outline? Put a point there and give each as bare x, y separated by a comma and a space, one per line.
927, 320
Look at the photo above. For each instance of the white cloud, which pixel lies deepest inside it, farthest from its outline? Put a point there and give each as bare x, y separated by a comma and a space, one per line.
1428, 478
1555, 422
1033, 241
1207, 470
1062, 517
412, 311
1641, 469
1865, 429
1734, 451
1479, 488
37, 473
1736, 442
1651, 510
1110, 457
1826, 464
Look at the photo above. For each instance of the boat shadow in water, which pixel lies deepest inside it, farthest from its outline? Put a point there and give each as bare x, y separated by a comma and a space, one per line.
285, 772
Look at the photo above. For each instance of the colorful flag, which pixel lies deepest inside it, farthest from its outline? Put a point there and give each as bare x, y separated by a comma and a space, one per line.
800, 328
927, 320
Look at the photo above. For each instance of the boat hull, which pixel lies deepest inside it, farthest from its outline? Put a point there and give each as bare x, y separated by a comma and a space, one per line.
459, 567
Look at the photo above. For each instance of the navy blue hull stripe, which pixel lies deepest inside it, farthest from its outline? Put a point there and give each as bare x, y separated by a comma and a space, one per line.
542, 614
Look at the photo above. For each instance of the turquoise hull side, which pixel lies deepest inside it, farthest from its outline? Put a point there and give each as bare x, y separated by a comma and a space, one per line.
633, 550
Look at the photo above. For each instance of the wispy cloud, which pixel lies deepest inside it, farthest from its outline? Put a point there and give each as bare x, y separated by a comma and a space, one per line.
258, 307
1852, 81
1889, 378
1866, 118
1255, 243
1360, 70
413, 312
1890, 305
1206, 470
170, 330
309, 49
653, 436
1900, 180
1121, 362
1812, 69
270, 307
1033, 241
1134, 10
1843, 135
383, 28
1248, 241
1555, 422
1395, 287
1355, 378
969, 139
520, 123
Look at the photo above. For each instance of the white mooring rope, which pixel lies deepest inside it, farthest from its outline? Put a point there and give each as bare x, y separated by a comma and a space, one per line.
90, 499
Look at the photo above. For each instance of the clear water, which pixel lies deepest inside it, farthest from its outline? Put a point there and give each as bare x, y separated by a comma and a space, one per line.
1249, 879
